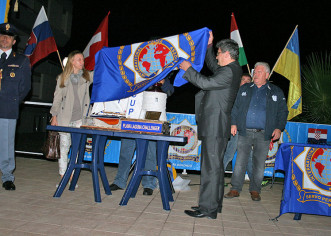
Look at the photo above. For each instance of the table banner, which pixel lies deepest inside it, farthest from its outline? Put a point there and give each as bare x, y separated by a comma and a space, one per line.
307, 186
188, 156
296, 132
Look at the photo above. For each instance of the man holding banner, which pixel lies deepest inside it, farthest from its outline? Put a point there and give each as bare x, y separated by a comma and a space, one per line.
213, 108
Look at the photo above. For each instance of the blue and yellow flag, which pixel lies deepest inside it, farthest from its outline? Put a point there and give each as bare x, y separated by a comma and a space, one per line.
124, 71
4, 8
288, 65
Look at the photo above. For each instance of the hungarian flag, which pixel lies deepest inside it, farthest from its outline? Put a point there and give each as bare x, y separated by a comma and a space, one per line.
236, 37
98, 41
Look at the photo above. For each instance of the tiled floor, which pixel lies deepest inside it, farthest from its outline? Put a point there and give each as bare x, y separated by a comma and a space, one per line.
31, 210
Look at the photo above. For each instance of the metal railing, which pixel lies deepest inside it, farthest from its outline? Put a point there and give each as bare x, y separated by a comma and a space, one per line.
38, 103
44, 104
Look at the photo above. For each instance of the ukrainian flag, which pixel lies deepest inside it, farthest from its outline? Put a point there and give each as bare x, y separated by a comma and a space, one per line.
4, 8
288, 65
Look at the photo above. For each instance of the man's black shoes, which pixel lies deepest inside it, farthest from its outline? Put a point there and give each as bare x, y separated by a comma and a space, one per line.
199, 214
196, 208
114, 187
148, 191
9, 185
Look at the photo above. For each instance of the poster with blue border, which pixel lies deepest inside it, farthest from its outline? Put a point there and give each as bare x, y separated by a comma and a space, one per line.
187, 156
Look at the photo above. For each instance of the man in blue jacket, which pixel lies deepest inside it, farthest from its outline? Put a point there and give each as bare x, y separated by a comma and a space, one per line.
15, 83
259, 115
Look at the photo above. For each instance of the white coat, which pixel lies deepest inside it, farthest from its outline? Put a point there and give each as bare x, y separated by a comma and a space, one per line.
63, 101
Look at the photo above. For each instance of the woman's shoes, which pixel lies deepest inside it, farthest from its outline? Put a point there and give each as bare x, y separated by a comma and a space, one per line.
69, 185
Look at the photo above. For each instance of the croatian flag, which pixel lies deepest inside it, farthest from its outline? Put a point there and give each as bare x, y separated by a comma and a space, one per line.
98, 41
41, 42
317, 136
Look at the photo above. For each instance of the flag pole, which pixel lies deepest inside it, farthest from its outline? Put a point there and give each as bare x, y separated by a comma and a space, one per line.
58, 54
282, 51
249, 72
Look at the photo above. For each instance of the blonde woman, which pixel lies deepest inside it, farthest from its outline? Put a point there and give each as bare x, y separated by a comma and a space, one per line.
71, 101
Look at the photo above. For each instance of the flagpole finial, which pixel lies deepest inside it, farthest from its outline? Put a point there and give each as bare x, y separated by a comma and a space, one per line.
16, 6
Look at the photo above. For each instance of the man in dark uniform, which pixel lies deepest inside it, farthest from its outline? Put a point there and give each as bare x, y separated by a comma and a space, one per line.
213, 109
15, 83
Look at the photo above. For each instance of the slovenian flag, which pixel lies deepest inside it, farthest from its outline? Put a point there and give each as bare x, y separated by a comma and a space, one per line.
288, 65
236, 37
41, 42
98, 41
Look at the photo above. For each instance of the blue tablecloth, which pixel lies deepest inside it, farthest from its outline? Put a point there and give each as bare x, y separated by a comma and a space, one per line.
307, 186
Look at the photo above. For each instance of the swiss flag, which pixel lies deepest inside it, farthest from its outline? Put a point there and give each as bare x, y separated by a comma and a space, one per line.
98, 41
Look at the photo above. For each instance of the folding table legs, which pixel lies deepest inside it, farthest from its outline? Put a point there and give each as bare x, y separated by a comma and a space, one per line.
161, 173
134, 183
165, 188
78, 142
98, 149
80, 158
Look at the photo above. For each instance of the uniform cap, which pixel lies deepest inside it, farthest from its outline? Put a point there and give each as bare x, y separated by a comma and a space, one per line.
8, 29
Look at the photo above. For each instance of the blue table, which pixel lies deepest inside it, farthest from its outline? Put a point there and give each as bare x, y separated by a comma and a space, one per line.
307, 184
99, 138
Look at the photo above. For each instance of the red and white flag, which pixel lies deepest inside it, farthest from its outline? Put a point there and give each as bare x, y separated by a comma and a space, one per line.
98, 41
317, 135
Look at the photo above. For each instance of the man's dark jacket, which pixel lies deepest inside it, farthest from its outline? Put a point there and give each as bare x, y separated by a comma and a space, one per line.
15, 84
276, 109
214, 102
